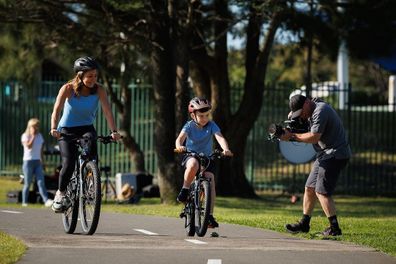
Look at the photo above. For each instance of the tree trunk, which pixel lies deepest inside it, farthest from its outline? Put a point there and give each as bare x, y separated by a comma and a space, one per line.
232, 179
163, 69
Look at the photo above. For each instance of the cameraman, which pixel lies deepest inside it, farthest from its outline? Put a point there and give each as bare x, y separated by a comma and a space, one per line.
328, 137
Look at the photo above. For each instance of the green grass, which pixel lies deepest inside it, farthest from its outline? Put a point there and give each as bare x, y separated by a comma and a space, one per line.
11, 249
369, 221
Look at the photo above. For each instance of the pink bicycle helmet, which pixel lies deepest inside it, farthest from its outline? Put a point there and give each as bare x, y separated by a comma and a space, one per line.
199, 104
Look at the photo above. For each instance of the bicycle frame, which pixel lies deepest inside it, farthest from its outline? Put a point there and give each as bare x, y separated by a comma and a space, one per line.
84, 189
200, 189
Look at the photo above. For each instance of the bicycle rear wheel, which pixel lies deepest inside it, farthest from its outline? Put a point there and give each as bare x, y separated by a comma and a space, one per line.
70, 215
90, 198
202, 208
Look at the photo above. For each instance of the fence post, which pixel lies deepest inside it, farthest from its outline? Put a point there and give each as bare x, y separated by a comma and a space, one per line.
392, 93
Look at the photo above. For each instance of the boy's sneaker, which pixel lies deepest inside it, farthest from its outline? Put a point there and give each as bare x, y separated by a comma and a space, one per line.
297, 228
332, 231
212, 222
183, 195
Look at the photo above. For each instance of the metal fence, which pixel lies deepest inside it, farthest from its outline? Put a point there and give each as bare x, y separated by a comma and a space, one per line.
371, 130
18, 104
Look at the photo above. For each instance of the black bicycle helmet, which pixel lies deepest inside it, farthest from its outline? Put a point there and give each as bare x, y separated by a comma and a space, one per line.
85, 64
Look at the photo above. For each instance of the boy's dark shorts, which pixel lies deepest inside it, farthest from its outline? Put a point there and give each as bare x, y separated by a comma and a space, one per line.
211, 168
324, 175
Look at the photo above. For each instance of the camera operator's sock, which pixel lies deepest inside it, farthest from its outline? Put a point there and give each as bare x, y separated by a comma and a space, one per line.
333, 221
305, 220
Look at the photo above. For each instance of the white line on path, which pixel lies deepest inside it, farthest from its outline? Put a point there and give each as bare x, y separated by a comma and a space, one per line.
214, 261
11, 212
146, 232
194, 241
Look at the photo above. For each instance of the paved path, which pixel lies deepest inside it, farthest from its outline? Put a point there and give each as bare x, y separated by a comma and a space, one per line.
122, 238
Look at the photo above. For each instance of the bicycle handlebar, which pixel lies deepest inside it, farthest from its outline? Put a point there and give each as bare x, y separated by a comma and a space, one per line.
103, 139
216, 153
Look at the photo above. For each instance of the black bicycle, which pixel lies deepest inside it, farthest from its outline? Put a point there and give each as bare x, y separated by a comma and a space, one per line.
197, 208
84, 189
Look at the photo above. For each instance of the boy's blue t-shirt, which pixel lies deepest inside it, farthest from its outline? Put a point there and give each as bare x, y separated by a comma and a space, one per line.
199, 139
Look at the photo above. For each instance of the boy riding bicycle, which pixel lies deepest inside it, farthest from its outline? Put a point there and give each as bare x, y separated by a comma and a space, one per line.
198, 135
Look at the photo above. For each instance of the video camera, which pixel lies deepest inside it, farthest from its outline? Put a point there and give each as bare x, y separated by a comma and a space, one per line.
296, 125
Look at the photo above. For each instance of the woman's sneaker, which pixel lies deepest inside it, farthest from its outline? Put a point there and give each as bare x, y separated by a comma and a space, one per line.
212, 222
297, 228
61, 202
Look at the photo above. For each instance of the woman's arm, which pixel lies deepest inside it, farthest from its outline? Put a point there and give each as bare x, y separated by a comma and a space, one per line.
107, 112
64, 93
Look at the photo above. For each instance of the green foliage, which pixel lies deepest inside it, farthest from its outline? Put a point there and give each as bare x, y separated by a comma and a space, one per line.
20, 52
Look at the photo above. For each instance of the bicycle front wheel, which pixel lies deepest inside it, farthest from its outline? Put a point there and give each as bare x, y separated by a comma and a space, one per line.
202, 208
70, 215
90, 198
189, 224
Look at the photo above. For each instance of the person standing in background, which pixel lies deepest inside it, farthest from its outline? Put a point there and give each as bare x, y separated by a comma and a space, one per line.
32, 142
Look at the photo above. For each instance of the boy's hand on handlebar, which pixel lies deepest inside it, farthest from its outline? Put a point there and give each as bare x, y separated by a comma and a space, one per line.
180, 149
227, 152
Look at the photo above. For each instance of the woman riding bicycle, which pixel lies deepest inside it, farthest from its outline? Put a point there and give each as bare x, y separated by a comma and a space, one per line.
198, 134
79, 100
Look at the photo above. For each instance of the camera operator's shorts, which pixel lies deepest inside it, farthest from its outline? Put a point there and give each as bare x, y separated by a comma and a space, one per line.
211, 167
324, 174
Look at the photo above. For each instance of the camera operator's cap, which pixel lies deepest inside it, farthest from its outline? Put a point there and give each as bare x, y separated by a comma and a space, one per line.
296, 104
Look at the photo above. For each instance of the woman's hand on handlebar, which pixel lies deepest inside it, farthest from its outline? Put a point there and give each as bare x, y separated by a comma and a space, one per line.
55, 133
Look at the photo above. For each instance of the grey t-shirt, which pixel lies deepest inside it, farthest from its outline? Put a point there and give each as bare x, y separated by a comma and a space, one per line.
333, 142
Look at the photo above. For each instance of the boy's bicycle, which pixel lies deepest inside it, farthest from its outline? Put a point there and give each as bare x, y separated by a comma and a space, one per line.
84, 189
197, 208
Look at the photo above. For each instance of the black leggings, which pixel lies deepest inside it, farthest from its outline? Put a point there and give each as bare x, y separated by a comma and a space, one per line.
69, 151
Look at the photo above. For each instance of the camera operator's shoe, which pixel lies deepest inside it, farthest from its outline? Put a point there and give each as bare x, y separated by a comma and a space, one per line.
297, 228
332, 231
183, 195
212, 222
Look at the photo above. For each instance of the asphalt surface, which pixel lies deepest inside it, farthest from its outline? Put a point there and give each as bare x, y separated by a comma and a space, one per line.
123, 238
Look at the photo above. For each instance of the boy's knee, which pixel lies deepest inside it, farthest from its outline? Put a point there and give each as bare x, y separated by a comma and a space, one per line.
192, 164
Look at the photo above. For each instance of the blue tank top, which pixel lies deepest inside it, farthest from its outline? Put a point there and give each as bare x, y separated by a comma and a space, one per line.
79, 111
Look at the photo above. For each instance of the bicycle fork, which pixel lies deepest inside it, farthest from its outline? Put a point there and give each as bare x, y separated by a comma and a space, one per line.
197, 189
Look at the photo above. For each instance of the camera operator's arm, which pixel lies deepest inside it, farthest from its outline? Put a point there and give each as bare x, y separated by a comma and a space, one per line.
308, 137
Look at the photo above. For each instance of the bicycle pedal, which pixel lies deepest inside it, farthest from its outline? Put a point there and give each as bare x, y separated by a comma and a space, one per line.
182, 215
